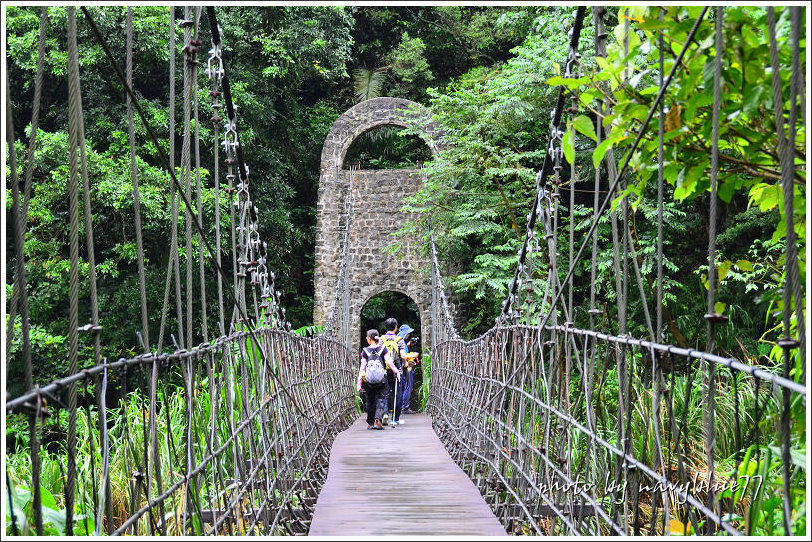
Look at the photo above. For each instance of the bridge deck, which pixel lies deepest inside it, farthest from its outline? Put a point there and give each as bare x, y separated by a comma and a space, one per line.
365, 494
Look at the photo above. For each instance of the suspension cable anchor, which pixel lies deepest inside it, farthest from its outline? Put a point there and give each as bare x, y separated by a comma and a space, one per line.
716, 318
788, 343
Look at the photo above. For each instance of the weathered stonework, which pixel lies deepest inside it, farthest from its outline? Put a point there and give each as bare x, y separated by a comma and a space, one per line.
377, 200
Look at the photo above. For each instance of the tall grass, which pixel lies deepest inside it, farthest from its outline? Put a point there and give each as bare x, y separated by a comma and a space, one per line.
423, 390
126, 455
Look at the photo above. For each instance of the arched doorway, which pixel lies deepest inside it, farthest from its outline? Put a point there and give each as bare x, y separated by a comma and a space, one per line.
377, 196
385, 147
397, 305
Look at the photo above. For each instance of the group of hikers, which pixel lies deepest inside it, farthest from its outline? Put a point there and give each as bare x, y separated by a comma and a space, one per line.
386, 375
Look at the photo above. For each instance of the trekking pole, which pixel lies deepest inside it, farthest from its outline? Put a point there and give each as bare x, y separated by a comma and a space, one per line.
394, 403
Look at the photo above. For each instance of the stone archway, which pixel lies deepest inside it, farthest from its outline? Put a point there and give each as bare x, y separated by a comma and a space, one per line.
377, 215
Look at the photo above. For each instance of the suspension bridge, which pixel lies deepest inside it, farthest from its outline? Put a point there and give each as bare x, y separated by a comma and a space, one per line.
251, 429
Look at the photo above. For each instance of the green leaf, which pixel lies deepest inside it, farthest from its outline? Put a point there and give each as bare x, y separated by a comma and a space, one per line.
600, 152
47, 499
569, 150
797, 457
85, 525
556, 80
696, 101
569, 82
583, 124
620, 36
765, 196
603, 148
55, 517
723, 269
719, 307
752, 99
726, 190
744, 265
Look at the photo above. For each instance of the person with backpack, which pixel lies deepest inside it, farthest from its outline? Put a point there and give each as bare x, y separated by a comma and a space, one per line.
397, 347
410, 361
372, 377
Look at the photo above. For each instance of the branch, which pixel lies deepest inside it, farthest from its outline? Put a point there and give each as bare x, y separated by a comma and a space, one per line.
672, 325
510, 210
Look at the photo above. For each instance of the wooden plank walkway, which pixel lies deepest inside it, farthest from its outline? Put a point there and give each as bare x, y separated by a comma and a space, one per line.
371, 491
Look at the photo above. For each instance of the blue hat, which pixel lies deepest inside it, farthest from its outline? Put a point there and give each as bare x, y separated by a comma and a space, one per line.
405, 330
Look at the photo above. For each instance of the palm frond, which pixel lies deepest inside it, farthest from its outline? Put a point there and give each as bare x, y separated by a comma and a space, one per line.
367, 84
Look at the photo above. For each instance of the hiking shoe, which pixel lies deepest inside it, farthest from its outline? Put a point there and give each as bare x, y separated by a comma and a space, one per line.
377, 425
371, 426
400, 422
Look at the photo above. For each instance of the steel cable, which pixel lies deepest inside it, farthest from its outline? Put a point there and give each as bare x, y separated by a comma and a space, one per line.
19, 221
76, 142
142, 287
791, 290
17, 291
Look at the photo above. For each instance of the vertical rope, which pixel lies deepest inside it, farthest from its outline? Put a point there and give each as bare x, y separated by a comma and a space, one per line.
154, 468
95, 328
598, 13
173, 267
29, 167
660, 190
105, 498
20, 282
188, 91
796, 91
786, 150
201, 263
657, 377
711, 316
614, 179
175, 191
74, 120
142, 288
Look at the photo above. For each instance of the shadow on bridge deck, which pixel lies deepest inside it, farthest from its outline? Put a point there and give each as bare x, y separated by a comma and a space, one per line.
371, 490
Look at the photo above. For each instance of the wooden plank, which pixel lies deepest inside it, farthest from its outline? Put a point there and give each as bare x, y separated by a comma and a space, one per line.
398, 482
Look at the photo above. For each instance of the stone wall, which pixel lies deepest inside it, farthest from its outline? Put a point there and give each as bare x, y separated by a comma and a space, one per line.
377, 201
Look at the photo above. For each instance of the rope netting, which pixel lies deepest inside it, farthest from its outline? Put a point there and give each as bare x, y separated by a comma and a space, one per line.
231, 436
576, 431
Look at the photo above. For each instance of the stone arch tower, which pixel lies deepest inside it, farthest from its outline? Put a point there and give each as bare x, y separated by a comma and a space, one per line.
376, 216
